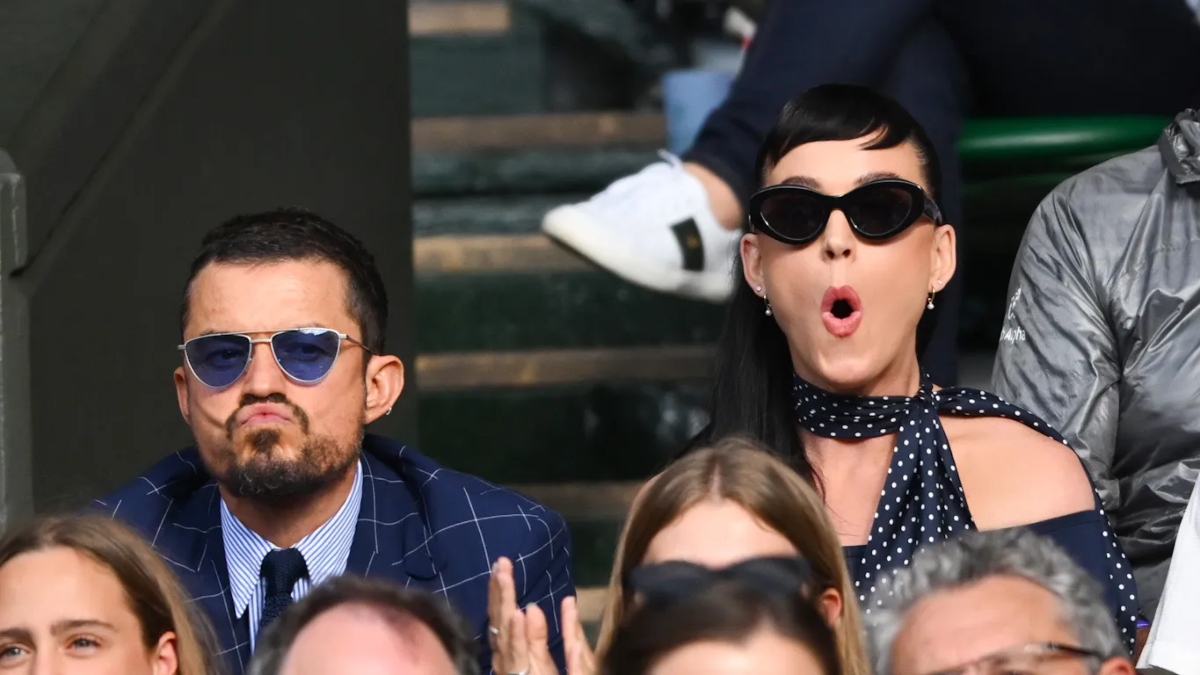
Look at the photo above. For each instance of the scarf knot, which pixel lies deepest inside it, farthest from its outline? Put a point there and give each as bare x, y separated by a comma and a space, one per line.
859, 417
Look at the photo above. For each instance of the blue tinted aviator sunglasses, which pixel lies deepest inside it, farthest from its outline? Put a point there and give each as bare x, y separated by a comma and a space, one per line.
306, 355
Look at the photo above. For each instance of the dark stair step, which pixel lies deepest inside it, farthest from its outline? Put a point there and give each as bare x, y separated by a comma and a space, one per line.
473, 57
539, 369
536, 171
531, 154
608, 26
589, 131
517, 214
547, 310
583, 432
595, 545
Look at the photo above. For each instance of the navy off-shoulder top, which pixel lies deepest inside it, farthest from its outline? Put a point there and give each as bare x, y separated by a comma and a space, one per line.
1083, 536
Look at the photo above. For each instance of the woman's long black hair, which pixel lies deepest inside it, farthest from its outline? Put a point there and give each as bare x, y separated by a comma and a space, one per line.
752, 386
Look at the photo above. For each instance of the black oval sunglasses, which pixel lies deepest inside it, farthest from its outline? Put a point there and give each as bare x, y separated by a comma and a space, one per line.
881, 209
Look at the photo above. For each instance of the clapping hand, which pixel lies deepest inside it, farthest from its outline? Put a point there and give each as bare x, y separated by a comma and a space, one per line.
519, 637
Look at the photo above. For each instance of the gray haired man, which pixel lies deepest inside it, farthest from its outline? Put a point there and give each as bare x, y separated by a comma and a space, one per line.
990, 603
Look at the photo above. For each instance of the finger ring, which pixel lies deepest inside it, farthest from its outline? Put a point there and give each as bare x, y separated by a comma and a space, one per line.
493, 630
523, 672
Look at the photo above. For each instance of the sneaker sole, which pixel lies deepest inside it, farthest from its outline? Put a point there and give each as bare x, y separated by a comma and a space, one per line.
593, 242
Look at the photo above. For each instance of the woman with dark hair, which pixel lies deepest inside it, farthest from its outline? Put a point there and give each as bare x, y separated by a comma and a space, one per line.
746, 619
85, 594
845, 255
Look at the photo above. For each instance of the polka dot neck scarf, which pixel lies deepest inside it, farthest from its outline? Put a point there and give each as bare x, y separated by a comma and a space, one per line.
922, 501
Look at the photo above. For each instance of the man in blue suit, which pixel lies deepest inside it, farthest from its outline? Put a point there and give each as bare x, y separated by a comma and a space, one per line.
283, 365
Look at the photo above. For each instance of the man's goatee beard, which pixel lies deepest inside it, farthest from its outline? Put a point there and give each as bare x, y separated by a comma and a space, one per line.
274, 480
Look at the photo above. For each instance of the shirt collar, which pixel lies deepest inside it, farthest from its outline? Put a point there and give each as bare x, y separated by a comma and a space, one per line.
325, 550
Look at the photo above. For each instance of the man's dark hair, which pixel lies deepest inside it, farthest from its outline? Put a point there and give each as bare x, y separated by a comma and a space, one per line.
395, 604
297, 234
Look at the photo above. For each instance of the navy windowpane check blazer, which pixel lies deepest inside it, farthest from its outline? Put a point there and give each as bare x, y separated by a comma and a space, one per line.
420, 525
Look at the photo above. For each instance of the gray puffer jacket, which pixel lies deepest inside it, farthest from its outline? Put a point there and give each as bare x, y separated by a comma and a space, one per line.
1102, 336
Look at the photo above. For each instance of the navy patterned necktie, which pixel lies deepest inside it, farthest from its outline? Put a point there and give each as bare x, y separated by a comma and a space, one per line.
281, 569
922, 500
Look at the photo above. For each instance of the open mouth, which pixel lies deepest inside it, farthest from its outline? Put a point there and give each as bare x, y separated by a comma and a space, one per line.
841, 310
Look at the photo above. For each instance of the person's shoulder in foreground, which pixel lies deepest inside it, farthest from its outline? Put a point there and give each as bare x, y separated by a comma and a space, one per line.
283, 364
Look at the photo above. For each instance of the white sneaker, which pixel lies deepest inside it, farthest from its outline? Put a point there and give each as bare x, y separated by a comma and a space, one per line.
654, 229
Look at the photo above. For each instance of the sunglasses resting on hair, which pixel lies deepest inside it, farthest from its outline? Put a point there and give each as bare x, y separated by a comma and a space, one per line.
675, 579
306, 355
881, 209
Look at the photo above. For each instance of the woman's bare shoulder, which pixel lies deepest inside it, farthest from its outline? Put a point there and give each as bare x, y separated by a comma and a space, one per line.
1014, 474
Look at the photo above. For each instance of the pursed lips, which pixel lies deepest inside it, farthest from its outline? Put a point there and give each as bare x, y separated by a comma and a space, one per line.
263, 413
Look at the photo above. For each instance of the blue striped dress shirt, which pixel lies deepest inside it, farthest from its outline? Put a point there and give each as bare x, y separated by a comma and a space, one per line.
325, 552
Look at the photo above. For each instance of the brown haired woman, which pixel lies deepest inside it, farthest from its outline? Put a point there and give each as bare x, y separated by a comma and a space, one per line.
86, 594
717, 506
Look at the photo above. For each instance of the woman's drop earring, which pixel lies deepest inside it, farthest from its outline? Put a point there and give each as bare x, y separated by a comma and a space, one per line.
929, 302
758, 290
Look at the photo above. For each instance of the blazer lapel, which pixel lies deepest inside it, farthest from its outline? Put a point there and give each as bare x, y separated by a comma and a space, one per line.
391, 539
207, 575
